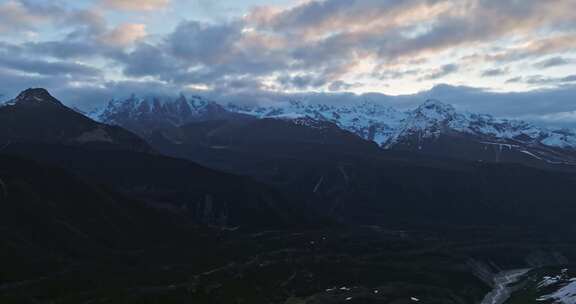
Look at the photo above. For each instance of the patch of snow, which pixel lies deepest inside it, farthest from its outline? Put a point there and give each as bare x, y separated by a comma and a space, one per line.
548, 281
502, 281
565, 295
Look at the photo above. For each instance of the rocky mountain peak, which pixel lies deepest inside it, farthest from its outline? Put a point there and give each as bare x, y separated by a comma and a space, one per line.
436, 110
36, 96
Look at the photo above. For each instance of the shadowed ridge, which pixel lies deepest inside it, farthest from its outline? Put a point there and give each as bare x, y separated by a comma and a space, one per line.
36, 96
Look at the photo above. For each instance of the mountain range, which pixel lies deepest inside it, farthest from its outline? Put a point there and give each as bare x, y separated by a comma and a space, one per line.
204, 203
432, 128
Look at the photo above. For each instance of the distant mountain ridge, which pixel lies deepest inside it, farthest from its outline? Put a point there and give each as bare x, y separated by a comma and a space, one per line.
145, 114
426, 128
387, 126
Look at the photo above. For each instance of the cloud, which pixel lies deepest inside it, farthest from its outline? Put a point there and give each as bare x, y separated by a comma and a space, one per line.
204, 43
570, 78
529, 104
335, 40
516, 79
443, 71
136, 5
66, 49
15, 16
302, 82
536, 47
125, 34
147, 59
11, 58
86, 96
49, 68
447, 23
543, 80
553, 62
314, 44
494, 72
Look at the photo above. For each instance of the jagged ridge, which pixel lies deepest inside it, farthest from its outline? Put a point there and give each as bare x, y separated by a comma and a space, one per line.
387, 126
146, 114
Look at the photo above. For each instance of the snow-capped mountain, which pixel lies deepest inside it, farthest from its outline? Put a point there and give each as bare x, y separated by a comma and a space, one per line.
388, 126
433, 118
370, 121
433, 127
146, 114
437, 128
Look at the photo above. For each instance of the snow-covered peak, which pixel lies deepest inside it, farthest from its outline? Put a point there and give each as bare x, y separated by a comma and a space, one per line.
431, 114
435, 110
144, 115
370, 120
178, 110
387, 126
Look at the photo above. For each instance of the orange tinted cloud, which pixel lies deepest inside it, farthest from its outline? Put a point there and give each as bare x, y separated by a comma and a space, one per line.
136, 5
125, 34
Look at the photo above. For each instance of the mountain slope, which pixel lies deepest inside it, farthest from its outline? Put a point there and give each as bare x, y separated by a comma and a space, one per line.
39, 127
339, 176
56, 225
36, 116
257, 147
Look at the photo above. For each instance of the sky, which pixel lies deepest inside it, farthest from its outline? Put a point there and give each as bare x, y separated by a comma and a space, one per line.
512, 58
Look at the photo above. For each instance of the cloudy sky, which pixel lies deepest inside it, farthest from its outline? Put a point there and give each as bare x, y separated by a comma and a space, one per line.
512, 58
